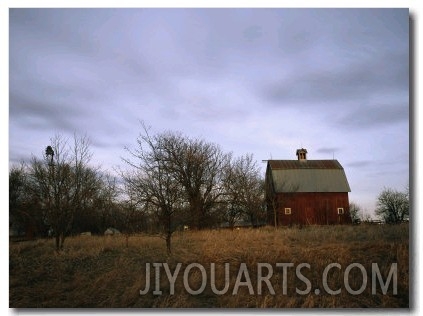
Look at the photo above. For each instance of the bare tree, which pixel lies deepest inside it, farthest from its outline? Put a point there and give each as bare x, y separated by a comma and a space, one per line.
132, 210
244, 189
20, 220
355, 211
194, 166
153, 185
63, 183
198, 167
106, 204
230, 209
393, 206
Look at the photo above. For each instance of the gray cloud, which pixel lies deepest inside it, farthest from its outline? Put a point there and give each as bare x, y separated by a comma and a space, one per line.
327, 150
357, 82
254, 80
365, 56
45, 114
375, 116
360, 164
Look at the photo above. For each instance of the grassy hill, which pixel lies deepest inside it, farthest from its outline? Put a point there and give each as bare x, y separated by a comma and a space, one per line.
100, 271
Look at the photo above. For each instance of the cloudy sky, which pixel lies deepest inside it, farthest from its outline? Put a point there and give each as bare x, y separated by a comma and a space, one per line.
260, 81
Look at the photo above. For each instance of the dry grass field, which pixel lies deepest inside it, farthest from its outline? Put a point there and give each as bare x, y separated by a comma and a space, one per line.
97, 271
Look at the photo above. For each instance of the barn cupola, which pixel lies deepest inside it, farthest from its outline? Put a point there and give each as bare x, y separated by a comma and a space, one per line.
302, 154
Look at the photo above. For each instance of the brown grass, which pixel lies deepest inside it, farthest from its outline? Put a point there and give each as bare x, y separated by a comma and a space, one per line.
101, 272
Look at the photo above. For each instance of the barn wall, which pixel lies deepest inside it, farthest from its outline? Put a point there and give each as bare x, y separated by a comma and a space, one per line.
320, 208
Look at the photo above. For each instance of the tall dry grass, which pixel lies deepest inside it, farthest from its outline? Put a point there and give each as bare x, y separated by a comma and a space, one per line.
97, 271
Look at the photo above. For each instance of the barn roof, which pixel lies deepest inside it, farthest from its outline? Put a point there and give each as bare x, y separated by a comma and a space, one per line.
308, 176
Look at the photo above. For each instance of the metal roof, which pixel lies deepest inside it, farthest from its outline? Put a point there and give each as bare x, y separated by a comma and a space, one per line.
308, 176
304, 164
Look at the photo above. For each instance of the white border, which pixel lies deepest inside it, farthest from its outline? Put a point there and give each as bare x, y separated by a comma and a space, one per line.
415, 10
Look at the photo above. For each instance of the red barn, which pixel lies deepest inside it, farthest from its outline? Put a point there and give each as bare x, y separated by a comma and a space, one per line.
306, 192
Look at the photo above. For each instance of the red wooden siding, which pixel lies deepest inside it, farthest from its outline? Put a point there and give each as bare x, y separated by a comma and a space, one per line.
315, 208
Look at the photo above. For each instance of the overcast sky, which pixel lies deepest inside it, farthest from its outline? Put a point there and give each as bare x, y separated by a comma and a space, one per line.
260, 81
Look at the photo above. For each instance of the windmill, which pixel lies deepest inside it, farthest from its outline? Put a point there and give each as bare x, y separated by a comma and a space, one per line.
50, 154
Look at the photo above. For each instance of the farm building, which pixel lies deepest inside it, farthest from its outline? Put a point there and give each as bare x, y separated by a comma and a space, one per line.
306, 192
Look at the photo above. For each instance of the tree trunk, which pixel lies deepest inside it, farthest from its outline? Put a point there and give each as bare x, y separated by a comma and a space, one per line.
57, 238
168, 243
195, 210
62, 240
275, 217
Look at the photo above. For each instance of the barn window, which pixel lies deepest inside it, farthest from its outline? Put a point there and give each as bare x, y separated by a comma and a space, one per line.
287, 211
340, 210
